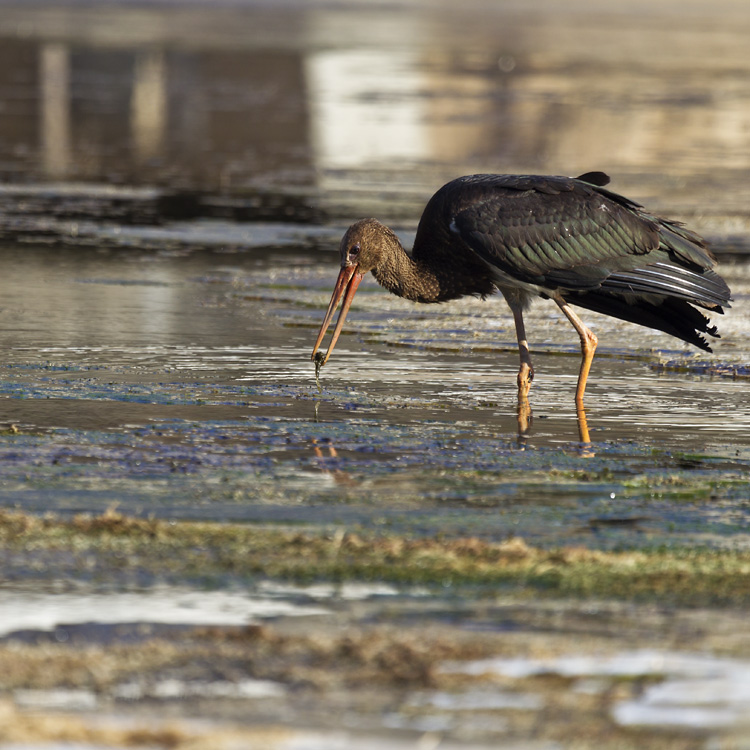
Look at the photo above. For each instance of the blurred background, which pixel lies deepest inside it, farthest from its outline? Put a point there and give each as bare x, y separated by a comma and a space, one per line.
319, 111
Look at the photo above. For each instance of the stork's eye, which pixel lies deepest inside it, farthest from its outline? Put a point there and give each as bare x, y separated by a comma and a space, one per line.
354, 250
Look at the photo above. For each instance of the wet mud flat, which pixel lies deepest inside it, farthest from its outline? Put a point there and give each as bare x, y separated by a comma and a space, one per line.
201, 548
399, 642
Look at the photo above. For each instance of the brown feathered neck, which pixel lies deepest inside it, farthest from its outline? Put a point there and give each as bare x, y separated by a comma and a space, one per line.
439, 268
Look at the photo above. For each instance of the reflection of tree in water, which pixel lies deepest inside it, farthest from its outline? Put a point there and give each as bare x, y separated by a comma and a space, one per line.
301, 96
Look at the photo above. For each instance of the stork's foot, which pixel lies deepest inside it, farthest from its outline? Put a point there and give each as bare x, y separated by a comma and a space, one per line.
583, 425
588, 347
525, 376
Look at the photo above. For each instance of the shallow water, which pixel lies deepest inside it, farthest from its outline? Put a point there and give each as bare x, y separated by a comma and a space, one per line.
181, 386
175, 186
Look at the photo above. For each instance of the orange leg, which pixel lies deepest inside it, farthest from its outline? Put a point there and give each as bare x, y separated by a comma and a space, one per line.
583, 425
588, 347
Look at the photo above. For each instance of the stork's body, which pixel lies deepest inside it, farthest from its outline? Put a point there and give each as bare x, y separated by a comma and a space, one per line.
560, 238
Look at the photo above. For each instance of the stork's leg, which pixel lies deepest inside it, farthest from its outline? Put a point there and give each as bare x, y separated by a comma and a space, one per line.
588, 347
583, 425
526, 370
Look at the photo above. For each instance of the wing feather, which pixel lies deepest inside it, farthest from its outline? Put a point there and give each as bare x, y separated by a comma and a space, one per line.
574, 236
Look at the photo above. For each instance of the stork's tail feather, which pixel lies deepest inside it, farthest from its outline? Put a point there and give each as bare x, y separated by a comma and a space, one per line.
706, 289
673, 316
686, 245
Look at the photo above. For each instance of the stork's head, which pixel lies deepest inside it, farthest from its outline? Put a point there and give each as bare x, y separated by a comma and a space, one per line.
362, 248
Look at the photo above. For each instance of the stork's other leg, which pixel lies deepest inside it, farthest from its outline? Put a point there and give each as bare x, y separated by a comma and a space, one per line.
588, 347
526, 370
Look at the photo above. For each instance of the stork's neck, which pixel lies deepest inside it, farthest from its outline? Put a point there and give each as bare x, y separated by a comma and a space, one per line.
405, 277
435, 271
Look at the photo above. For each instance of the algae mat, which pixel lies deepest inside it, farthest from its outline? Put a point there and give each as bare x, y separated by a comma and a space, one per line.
411, 643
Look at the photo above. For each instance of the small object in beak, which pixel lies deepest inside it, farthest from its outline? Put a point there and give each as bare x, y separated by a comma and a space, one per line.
346, 286
319, 360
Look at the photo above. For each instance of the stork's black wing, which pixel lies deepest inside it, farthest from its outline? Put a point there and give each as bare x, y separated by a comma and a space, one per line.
573, 235
595, 248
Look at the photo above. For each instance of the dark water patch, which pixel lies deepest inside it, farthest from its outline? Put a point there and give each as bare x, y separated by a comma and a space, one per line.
717, 369
123, 282
155, 394
86, 635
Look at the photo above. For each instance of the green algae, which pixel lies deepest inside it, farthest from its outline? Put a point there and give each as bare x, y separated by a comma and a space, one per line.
215, 554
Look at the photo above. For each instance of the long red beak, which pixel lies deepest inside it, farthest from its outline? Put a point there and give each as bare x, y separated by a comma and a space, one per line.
348, 281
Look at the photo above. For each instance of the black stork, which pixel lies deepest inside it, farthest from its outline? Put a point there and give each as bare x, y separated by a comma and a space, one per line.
566, 239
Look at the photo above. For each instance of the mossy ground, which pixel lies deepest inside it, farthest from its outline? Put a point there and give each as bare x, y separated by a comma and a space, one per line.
372, 662
211, 553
